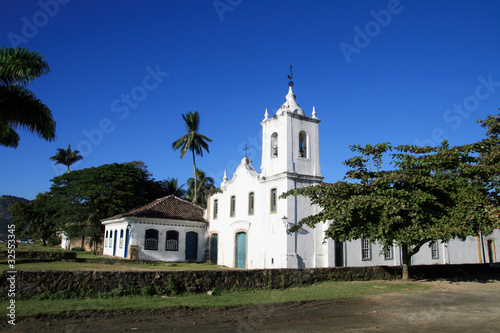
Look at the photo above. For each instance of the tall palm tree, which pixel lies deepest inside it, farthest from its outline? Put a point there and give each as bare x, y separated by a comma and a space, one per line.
192, 140
66, 156
19, 107
198, 193
171, 186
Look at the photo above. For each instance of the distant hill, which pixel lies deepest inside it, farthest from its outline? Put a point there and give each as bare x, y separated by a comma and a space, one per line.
5, 217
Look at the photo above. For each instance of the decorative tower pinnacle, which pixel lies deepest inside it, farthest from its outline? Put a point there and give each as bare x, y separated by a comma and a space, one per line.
290, 104
314, 113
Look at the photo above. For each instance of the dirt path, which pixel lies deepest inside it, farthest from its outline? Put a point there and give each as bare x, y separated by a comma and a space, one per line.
451, 307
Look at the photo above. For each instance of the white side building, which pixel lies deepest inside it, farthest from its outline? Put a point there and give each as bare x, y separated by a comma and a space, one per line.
471, 250
167, 229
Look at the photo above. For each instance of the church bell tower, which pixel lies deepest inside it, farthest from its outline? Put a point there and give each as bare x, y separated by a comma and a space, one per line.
290, 142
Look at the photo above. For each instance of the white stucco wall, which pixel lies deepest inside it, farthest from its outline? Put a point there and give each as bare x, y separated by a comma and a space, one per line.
137, 237
456, 251
109, 243
268, 244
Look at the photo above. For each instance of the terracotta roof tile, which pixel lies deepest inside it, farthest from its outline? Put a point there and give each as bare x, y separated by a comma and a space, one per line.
170, 207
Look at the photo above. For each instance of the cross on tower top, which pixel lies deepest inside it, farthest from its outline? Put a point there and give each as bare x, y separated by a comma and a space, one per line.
245, 149
290, 76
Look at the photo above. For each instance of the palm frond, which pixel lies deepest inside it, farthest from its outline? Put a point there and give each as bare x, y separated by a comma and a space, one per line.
20, 66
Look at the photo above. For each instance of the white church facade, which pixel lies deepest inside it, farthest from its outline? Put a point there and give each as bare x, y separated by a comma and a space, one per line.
248, 221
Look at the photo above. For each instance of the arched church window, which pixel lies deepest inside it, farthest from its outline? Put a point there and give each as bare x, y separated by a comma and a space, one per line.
303, 144
274, 200
251, 201
232, 212
274, 145
216, 208
151, 240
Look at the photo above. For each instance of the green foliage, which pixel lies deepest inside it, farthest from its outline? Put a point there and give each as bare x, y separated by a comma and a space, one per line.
192, 141
148, 291
19, 107
172, 187
66, 157
54, 240
78, 249
34, 218
204, 184
121, 291
5, 216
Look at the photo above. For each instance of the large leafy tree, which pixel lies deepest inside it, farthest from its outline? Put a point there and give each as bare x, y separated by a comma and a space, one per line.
172, 186
19, 107
66, 156
192, 141
429, 193
35, 218
199, 187
84, 197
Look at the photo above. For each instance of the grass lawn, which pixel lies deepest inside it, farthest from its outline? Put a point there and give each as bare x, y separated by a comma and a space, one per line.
110, 266
96, 266
321, 291
38, 246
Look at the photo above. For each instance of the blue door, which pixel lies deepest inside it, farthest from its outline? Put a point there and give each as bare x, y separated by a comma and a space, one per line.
126, 242
241, 250
114, 243
191, 246
213, 249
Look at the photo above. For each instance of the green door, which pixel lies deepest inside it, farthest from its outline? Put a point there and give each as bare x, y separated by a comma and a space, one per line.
213, 249
191, 246
241, 250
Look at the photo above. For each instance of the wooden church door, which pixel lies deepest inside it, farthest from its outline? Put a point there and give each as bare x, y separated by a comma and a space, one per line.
241, 250
213, 249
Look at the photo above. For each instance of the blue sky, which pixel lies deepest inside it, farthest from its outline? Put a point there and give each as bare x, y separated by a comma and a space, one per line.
123, 72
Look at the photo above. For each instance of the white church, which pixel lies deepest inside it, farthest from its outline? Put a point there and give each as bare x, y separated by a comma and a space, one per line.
248, 221
245, 224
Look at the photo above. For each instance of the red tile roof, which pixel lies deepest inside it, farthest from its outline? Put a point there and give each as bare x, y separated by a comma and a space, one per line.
170, 207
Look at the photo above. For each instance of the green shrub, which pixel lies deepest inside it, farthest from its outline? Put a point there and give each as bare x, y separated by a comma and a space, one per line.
148, 291
53, 241
170, 287
124, 291
58, 295
78, 249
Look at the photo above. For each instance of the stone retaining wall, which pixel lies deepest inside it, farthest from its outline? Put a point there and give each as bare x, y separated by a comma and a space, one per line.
33, 283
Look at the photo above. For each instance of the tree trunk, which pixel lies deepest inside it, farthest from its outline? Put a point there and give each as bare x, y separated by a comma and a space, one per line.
406, 262
194, 176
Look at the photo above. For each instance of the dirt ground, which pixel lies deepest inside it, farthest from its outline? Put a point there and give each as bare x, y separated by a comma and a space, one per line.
450, 307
